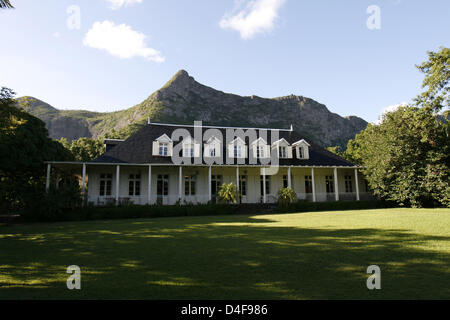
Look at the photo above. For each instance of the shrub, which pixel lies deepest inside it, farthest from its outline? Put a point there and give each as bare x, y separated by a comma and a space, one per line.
286, 196
228, 193
54, 205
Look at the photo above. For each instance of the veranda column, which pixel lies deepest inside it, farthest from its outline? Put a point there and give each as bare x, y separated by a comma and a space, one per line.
180, 181
237, 183
264, 185
336, 188
149, 189
47, 181
289, 178
209, 184
117, 183
313, 185
356, 184
83, 183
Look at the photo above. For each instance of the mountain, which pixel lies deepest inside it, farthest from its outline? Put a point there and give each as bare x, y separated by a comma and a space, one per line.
183, 100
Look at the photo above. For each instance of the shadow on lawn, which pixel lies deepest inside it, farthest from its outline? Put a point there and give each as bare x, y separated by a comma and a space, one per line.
235, 257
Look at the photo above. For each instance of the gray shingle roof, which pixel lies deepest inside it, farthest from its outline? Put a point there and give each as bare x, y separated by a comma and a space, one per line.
137, 149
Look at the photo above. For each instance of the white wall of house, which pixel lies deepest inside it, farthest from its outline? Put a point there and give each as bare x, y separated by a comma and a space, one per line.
228, 175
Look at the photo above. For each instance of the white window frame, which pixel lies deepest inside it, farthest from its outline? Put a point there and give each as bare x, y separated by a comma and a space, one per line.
164, 149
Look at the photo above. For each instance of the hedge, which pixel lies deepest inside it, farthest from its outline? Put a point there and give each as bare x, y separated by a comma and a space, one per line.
155, 211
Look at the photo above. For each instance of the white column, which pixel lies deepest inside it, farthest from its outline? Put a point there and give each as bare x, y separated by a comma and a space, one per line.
47, 181
264, 185
149, 188
180, 181
336, 189
83, 183
209, 184
313, 185
356, 184
117, 183
237, 184
289, 178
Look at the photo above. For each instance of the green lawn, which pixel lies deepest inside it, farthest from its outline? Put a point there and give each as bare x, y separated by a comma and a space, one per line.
321, 255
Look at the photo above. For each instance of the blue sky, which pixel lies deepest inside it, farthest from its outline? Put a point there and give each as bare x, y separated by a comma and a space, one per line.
121, 51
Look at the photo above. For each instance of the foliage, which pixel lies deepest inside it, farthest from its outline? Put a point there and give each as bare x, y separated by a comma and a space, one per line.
286, 196
406, 157
54, 205
68, 209
228, 193
5, 4
24, 146
437, 76
84, 149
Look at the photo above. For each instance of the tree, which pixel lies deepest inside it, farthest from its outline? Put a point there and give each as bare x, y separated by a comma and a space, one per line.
437, 76
84, 149
5, 4
24, 146
406, 156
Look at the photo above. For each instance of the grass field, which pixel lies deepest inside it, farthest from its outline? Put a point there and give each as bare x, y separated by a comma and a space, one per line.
321, 255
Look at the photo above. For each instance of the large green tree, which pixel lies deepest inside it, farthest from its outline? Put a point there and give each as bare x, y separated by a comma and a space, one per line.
84, 149
406, 156
24, 146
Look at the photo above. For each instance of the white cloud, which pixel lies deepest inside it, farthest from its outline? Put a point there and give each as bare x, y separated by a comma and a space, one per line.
120, 41
56, 34
388, 109
116, 4
258, 16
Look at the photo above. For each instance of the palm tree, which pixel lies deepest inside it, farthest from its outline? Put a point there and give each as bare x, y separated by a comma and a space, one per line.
5, 4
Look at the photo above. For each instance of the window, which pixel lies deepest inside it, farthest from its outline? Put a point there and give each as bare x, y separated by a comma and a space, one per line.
105, 184
285, 181
282, 152
243, 185
308, 184
237, 151
189, 185
162, 185
366, 186
188, 150
212, 152
348, 184
260, 152
329, 183
163, 149
216, 182
267, 185
301, 153
134, 185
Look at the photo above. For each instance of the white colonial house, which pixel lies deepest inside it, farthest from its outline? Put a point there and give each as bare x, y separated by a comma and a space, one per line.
172, 163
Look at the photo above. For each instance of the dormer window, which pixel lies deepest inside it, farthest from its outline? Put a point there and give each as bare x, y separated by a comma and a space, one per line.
302, 149
301, 153
188, 150
163, 146
212, 147
282, 152
260, 148
260, 152
238, 151
163, 149
283, 149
